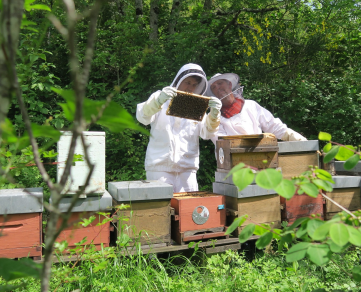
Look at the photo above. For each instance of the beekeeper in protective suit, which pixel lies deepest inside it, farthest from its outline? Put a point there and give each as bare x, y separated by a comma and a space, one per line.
173, 151
241, 116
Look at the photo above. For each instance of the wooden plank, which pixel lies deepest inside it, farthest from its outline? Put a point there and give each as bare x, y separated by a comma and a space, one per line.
256, 159
348, 198
222, 248
203, 236
294, 164
254, 136
21, 235
193, 232
254, 149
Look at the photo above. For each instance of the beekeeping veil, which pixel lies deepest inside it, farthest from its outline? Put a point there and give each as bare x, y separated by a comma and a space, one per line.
232, 78
191, 70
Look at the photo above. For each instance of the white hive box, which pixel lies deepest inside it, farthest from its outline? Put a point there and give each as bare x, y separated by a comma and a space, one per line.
80, 170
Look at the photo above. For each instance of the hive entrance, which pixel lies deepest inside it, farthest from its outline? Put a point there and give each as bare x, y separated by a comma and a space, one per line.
188, 105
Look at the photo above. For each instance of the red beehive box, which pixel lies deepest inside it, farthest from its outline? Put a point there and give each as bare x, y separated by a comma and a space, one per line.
197, 216
21, 223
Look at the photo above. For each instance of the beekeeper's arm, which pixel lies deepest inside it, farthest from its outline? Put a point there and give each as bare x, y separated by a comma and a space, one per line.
210, 124
270, 124
147, 110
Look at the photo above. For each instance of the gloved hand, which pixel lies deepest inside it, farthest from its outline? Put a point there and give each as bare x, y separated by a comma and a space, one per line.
291, 135
167, 93
215, 104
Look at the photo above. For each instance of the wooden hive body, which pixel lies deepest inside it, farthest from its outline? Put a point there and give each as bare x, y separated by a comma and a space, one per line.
185, 224
148, 219
21, 223
346, 192
253, 150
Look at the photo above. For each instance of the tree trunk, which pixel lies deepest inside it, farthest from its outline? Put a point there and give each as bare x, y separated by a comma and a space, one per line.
207, 5
176, 7
138, 9
154, 11
10, 20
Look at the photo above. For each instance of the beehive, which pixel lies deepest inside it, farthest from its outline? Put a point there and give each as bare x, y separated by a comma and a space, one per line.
198, 216
148, 218
83, 209
188, 105
356, 171
80, 170
346, 192
260, 151
261, 205
21, 223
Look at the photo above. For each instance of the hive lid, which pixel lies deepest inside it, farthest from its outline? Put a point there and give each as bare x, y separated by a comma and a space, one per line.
298, 146
232, 191
339, 167
20, 201
126, 191
90, 204
345, 181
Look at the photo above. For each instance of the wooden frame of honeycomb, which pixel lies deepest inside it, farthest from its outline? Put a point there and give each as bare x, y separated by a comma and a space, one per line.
188, 106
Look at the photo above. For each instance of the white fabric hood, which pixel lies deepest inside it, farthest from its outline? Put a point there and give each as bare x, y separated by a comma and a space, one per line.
189, 70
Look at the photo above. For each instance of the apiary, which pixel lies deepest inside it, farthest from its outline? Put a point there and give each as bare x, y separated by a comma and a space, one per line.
346, 192
80, 170
294, 158
85, 208
21, 223
188, 105
261, 205
356, 171
198, 216
259, 151
148, 218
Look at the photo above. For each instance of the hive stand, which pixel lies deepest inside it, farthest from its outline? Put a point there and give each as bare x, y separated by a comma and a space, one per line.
294, 158
21, 223
346, 192
147, 220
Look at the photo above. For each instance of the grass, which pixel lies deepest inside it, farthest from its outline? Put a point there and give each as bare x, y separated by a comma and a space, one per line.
230, 271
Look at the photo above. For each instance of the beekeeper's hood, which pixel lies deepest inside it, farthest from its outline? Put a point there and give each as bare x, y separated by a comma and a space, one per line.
191, 70
231, 77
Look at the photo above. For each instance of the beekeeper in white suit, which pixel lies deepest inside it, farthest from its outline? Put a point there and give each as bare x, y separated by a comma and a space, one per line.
173, 151
241, 116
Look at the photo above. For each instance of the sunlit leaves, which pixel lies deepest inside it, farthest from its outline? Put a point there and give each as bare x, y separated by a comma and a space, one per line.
286, 189
264, 240
319, 254
238, 167
354, 235
310, 189
246, 232
339, 234
324, 185
236, 223
297, 252
323, 136
312, 225
351, 162
331, 154
243, 177
324, 175
327, 147
345, 153
268, 178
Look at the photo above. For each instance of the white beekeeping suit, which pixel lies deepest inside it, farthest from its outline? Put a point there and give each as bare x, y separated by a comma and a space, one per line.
173, 151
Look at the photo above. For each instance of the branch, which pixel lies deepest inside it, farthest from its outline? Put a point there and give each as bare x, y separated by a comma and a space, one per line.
338, 205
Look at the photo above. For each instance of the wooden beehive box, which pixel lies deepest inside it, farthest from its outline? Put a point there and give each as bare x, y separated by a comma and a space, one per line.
188, 106
21, 223
260, 151
83, 209
356, 171
294, 157
148, 218
346, 192
261, 205
198, 216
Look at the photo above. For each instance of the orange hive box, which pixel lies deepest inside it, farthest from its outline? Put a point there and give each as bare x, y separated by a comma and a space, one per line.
21, 223
197, 216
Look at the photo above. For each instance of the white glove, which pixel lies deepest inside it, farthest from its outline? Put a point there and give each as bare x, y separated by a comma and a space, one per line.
291, 135
215, 104
167, 93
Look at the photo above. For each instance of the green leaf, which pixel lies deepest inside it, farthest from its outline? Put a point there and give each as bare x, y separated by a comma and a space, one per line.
297, 252
286, 189
310, 189
354, 235
336, 248
243, 177
268, 178
261, 229
237, 222
323, 185
356, 273
246, 232
321, 232
323, 136
327, 147
323, 172
284, 239
351, 162
298, 222
15, 269
312, 225
264, 240
331, 154
319, 254
45, 131
302, 230
345, 153
40, 7
339, 234
234, 169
